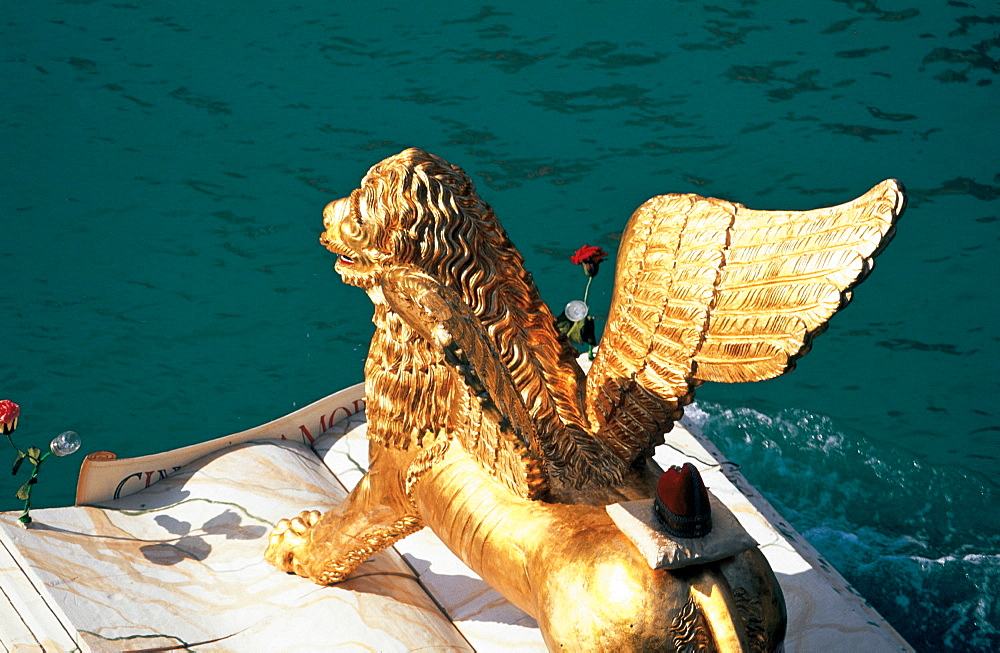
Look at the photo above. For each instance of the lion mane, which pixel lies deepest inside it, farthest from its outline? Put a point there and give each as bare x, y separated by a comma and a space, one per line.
415, 209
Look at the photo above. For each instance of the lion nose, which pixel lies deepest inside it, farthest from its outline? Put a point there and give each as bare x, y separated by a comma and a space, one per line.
336, 210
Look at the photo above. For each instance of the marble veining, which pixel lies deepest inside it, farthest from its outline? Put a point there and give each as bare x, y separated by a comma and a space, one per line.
180, 563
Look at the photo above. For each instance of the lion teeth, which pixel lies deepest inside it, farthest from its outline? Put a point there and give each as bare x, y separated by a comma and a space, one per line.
346, 260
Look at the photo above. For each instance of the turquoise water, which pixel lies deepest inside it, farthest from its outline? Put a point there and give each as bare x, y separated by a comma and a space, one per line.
165, 165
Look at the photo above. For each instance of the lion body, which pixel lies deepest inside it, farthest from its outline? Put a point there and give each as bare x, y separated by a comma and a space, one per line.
586, 584
566, 565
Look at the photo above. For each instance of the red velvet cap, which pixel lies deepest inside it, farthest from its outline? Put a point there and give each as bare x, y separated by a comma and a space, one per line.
682, 502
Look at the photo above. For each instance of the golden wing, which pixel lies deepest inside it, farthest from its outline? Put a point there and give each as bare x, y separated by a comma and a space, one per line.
709, 290
487, 415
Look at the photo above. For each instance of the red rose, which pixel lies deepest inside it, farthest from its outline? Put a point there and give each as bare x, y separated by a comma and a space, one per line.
9, 412
590, 258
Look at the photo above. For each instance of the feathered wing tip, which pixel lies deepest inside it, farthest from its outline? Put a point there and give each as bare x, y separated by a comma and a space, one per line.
786, 274
709, 290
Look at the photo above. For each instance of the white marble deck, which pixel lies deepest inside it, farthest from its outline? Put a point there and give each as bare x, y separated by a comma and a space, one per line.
180, 564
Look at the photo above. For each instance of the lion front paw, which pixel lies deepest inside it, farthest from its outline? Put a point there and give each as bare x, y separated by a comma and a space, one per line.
288, 545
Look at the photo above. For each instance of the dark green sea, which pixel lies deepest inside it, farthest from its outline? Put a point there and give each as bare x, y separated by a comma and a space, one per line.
164, 166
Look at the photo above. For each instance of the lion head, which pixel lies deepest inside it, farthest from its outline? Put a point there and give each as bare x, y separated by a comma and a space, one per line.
415, 209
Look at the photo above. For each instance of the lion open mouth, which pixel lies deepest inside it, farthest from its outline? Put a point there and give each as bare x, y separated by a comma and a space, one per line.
346, 260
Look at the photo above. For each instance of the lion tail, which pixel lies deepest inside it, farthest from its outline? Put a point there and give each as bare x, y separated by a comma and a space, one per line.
713, 598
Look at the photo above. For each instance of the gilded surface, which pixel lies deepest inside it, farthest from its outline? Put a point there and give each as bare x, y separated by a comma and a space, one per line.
466, 353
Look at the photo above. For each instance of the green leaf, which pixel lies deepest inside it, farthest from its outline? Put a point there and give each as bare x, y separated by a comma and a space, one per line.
575, 332
589, 331
582, 332
17, 463
563, 324
35, 454
25, 491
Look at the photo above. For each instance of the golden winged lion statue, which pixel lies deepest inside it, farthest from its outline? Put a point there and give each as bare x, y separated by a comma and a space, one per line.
483, 427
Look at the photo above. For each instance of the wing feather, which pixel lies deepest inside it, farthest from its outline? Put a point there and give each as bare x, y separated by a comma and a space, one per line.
487, 416
709, 290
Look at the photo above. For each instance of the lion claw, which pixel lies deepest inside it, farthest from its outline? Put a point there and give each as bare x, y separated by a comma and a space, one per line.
286, 542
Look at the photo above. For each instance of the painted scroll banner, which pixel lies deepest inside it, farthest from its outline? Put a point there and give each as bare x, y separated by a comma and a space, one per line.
104, 477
